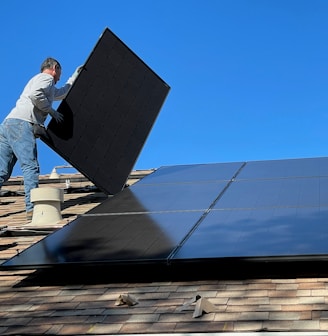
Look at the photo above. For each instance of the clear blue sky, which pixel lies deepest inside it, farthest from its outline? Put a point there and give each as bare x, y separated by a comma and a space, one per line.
248, 78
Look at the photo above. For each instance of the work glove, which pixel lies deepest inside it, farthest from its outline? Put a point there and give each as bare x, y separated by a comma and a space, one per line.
72, 79
57, 116
39, 131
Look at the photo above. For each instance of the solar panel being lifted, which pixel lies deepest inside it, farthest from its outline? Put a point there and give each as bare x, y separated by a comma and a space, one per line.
108, 114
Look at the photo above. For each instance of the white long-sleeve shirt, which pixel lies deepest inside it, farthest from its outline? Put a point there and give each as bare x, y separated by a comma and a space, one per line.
35, 102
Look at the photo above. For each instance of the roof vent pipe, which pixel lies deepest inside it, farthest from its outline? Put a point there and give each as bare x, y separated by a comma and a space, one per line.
54, 174
47, 205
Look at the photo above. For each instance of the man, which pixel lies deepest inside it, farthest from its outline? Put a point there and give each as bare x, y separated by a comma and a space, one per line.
17, 137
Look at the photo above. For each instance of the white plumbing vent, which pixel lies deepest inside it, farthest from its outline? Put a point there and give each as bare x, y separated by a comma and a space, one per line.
47, 205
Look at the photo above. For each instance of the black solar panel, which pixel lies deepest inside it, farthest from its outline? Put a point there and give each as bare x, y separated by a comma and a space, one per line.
111, 239
308, 167
108, 114
188, 216
259, 233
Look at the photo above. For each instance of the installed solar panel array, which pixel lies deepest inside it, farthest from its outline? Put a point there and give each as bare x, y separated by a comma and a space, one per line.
204, 213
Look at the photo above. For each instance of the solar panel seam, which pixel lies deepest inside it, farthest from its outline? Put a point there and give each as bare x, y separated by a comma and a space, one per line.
141, 212
273, 207
281, 178
180, 183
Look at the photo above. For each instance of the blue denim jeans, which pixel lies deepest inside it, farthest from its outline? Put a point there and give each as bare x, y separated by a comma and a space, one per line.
18, 143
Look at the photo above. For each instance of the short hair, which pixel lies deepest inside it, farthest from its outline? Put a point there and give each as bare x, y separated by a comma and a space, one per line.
49, 63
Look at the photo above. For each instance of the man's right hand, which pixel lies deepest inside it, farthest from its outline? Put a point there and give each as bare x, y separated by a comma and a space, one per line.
72, 79
57, 116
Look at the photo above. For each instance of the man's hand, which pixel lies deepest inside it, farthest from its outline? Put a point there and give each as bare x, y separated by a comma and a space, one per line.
57, 116
72, 79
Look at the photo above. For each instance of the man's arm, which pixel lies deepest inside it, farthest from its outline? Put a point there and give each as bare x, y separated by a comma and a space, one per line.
42, 96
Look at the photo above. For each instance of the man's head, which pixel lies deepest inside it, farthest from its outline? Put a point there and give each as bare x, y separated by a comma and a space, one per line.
52, 67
